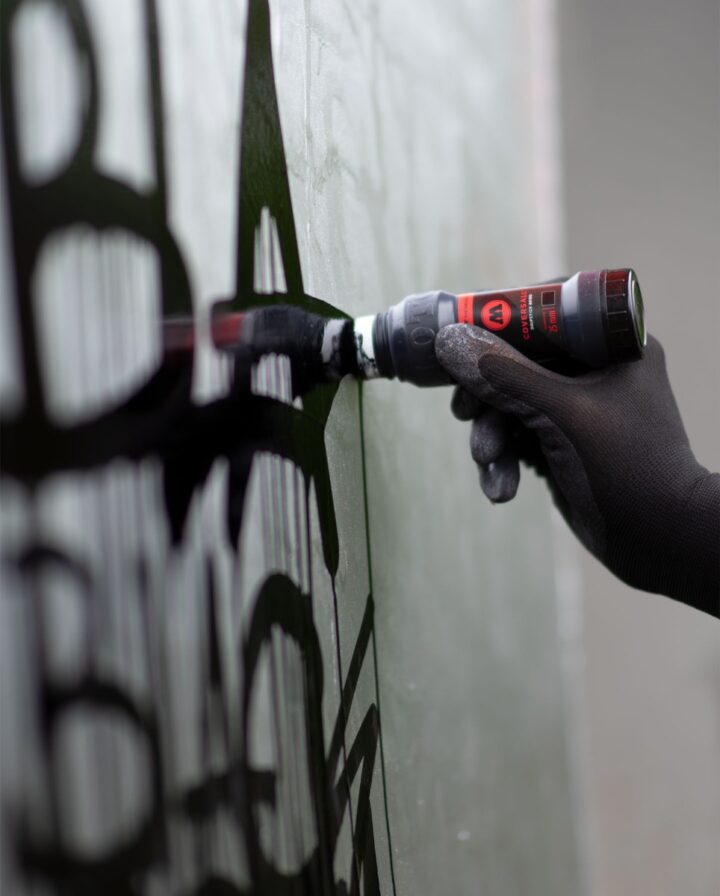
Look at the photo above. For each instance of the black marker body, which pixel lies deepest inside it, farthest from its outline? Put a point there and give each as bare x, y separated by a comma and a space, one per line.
592, 319
530, 318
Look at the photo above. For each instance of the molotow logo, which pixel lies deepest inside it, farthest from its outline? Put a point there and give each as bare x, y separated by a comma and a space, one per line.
496, 314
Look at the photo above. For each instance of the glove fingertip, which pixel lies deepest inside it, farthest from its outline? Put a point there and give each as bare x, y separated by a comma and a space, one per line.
499, 480
459, 347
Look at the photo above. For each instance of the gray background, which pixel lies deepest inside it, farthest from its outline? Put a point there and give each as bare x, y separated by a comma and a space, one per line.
640, 93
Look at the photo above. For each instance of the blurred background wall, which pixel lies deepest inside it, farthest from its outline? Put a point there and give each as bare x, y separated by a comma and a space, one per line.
640, 88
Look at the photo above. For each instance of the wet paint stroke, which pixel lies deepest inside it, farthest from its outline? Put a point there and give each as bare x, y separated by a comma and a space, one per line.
129, 821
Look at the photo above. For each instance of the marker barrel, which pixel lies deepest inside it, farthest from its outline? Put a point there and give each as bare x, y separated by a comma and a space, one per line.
595, 318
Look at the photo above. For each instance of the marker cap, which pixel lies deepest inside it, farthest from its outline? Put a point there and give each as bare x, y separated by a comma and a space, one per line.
624, 321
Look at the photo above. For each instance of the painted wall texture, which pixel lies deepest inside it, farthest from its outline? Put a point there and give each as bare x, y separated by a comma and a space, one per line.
256, 635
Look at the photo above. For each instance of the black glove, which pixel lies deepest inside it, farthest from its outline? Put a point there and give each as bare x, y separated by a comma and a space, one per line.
613, 450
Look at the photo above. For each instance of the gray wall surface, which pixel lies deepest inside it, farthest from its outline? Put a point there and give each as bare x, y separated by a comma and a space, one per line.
194, 696
641, 121
419, 175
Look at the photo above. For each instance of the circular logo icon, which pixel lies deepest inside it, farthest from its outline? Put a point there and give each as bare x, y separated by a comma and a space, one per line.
496, 314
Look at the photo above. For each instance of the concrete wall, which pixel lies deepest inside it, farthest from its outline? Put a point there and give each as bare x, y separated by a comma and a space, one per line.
641, 115
253, 640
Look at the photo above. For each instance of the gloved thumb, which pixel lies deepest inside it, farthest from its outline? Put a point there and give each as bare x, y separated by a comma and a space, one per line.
497, 373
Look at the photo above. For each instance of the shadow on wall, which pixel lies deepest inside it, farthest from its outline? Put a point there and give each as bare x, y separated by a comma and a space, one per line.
100, 690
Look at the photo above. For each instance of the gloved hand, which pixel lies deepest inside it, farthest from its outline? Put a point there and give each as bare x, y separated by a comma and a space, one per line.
613, 449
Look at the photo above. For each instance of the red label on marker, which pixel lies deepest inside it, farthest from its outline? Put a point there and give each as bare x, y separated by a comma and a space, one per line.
528, 318
496, 314
465, 308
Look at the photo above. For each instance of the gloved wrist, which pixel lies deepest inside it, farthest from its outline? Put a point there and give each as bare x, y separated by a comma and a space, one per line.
691, 564
661, 523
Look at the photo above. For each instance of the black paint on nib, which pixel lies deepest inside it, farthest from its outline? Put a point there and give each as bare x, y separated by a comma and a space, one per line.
319, 349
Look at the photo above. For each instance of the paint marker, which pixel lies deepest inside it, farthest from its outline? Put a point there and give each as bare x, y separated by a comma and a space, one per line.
594, 318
